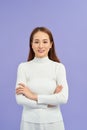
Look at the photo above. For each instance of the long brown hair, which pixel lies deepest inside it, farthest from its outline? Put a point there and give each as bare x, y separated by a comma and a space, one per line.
51, 54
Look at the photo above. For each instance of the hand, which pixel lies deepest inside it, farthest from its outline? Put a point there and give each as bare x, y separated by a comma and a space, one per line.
58, 89
22, 89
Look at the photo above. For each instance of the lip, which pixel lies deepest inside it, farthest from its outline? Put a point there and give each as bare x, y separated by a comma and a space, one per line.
41, 51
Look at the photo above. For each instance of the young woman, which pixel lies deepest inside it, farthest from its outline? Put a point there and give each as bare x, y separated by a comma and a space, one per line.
41, 85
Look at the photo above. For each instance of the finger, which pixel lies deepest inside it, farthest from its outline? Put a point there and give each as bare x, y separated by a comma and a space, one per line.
21, 84
20, 91
19, 87
58, 89
59, 86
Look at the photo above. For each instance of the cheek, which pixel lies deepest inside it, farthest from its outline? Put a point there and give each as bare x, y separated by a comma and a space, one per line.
34, 47
48, 47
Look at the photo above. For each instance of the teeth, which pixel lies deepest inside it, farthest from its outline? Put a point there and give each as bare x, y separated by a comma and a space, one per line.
40, 51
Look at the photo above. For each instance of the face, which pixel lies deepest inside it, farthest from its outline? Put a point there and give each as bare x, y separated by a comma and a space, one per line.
41, 44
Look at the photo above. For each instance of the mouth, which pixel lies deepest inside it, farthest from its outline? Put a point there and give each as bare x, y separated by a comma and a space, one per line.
41, 51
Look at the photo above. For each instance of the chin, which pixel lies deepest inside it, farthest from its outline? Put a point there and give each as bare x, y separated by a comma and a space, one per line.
41, 55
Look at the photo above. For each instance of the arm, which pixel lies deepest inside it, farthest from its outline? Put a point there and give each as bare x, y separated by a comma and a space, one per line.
62, 96
20, 98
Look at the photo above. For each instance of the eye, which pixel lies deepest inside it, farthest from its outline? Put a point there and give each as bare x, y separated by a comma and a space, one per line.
36, 42
45, 42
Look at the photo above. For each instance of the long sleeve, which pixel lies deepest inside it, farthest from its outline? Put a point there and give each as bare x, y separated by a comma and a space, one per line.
20, 99
61, 97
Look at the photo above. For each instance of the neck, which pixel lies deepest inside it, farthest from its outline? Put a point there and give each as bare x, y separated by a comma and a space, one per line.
41, 59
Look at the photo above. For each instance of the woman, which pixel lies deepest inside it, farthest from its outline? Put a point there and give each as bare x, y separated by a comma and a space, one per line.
41, 85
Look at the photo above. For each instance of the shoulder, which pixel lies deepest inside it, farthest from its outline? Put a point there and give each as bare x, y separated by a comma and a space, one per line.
24, 65
60, 67
58, 64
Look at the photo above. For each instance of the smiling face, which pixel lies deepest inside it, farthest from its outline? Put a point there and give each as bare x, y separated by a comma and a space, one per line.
41, 44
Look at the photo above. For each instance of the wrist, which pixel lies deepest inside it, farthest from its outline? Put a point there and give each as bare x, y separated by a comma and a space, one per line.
35, 97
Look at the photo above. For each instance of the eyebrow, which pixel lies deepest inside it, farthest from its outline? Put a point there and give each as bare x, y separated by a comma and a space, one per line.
38, 39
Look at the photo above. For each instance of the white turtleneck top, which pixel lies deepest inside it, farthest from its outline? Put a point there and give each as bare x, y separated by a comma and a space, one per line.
42, 76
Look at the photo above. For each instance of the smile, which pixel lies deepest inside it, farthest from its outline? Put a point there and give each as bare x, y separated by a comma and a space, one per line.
41, 51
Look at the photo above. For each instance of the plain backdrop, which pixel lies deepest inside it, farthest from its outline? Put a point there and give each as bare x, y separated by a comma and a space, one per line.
67, 20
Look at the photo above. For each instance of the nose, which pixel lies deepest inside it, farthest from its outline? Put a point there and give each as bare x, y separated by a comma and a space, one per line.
40, 45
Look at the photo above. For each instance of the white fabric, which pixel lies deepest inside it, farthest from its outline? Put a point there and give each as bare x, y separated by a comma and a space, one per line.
46, 126
42, 76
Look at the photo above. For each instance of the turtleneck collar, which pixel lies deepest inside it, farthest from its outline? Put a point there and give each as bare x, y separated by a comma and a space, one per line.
41, 60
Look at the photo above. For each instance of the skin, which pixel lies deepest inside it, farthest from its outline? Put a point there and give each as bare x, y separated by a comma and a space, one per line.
41, 45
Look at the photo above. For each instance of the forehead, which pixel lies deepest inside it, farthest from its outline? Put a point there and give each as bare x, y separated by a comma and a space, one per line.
40, 35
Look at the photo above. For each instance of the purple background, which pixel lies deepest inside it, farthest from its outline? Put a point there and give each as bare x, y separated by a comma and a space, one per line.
67, 19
